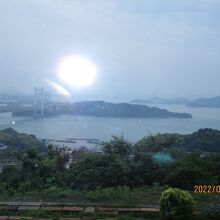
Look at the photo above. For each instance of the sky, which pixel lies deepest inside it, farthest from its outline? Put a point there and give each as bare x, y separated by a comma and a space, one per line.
141, 49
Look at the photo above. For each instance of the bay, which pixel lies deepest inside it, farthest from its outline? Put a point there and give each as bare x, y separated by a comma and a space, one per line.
67, 126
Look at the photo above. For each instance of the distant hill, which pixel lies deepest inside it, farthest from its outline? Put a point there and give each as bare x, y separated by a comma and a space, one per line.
20, 141
204, 140
140, 101
207, 140
158, 100
205, 103
105, 109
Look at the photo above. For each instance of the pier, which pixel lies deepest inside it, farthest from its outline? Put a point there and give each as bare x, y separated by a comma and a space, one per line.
73, 140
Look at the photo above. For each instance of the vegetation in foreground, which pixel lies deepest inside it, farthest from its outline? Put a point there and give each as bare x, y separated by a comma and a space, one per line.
87, 216
122, 175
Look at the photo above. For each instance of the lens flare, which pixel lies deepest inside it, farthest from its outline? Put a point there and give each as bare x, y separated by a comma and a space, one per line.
60, 90
77, 71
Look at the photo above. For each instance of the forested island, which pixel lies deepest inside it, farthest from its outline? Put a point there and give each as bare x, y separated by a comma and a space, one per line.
105, 109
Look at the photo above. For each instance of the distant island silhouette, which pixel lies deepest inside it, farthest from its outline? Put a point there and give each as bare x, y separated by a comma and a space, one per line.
159, 100
106, 109
205, 103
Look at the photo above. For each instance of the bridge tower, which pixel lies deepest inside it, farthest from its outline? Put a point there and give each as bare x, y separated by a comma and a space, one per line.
39, 97
48, 101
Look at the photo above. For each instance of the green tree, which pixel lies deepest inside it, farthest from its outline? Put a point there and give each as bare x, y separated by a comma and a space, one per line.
118, 146
10, 178
191, 170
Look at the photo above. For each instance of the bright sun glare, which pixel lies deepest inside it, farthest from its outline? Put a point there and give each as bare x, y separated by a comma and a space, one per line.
77, 71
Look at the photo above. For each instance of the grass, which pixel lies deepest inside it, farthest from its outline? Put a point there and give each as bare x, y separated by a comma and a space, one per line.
113, 197
88, 216
202, 199
91, 216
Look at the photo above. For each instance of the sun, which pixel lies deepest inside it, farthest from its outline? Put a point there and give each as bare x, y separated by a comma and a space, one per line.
77, 71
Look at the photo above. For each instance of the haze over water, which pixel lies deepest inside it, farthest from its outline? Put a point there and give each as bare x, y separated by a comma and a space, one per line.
125, 48
67, 126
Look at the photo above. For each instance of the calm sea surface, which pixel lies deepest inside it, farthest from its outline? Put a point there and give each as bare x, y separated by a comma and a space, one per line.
66, 126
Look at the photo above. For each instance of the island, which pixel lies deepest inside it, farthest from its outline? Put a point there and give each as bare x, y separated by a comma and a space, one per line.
104, 109
158, 100
205, 103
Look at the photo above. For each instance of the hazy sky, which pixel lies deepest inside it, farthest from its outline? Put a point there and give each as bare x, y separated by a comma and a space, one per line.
142, 48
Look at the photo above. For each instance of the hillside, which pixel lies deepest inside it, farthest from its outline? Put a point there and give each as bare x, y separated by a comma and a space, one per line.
203, 140
20, 141
207, 140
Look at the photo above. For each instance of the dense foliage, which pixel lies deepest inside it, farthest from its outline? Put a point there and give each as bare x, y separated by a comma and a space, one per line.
203, 140
176, 204
20, 141
119, 172
119, 164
